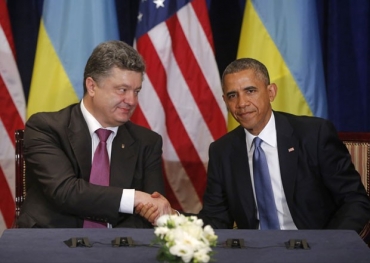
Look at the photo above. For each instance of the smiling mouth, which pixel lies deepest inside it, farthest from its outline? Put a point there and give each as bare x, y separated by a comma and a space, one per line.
244, 113
125, 110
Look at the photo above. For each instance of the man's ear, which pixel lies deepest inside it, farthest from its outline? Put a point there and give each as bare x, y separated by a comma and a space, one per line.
272, 90
90, 86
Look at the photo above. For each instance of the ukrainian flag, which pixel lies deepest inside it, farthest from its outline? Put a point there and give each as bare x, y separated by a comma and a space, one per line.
69, 31
284, 36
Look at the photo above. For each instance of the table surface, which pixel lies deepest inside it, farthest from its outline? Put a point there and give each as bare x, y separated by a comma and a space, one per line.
47, 245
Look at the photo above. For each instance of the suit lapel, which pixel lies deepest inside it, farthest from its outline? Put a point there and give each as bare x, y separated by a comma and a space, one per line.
239, 157
80, 141
123, 158
288, 149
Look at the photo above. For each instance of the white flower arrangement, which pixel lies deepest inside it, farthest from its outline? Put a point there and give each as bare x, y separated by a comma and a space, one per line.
184, 239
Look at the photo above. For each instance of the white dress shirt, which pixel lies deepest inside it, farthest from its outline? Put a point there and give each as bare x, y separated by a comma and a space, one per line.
128, 195
269, 146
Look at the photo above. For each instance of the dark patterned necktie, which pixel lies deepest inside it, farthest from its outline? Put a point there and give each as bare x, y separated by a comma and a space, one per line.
263, 188
100, 168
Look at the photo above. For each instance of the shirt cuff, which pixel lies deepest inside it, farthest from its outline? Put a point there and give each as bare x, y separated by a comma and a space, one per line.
127, 201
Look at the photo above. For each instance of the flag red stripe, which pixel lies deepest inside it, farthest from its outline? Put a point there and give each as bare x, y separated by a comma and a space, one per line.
9, 113
7, 205
139, 117
200, 8
195, 79
10, 116
5, 24
170, 195
181, 142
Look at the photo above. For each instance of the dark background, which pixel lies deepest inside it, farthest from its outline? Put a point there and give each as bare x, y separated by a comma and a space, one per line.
344, 29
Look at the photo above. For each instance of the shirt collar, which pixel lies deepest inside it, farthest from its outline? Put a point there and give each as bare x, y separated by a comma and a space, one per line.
268, 134
93, 123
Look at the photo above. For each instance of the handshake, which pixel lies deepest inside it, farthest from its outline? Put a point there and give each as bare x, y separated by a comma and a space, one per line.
151, 207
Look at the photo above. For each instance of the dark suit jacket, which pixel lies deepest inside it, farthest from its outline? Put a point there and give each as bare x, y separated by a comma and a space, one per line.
57, 151
321, 185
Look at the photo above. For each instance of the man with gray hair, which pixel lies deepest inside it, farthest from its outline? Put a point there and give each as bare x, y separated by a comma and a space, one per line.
87, 164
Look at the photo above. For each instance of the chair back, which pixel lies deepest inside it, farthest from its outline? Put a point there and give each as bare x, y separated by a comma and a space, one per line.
20, 174
358, 145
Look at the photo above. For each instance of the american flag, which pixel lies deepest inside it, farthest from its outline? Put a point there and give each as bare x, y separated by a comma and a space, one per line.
181, 98
12, 116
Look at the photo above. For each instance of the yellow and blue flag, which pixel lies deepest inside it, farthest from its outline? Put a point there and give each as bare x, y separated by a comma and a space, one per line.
284, 35
69, 31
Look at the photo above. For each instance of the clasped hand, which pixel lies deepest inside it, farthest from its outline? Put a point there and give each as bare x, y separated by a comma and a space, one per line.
151, 207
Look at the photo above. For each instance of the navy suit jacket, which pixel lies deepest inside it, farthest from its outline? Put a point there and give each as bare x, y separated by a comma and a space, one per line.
321, 185
58, 155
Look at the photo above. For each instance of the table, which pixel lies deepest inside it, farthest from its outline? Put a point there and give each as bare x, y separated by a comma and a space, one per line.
47, 245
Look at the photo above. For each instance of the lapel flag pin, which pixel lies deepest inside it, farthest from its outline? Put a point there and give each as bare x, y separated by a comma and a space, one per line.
290, 149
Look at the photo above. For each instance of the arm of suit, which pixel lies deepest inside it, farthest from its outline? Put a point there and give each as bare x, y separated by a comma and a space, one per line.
58, 167
216, 209
58, 159
216, 216
343, 181
144, 157
229, 194
220, 201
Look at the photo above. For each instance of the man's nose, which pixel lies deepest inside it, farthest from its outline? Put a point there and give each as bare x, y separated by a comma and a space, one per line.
242, 101
130, 97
